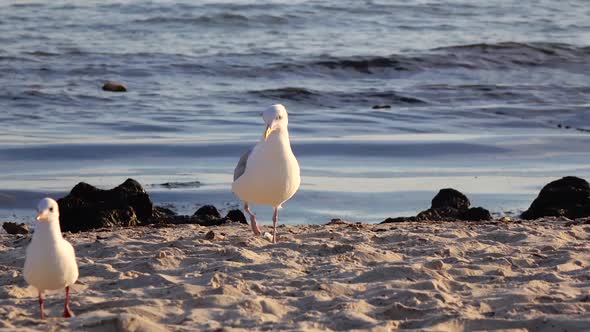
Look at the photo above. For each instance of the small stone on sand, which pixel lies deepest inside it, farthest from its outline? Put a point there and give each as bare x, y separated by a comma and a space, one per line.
14, 228
267, 236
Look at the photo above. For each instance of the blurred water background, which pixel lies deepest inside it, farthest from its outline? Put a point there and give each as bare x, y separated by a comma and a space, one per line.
488, 97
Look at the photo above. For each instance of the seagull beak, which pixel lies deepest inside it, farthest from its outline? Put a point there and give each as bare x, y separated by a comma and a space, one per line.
267, 132
42, 216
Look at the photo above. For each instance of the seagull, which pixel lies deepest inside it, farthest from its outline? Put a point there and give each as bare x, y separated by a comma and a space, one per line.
268, 174
51, 262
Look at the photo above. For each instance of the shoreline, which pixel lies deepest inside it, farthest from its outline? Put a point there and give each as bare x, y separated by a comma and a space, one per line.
412, 275
304, 208
452, 205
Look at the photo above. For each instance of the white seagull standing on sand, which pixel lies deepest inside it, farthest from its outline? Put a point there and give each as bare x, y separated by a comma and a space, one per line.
268, 174
51, 261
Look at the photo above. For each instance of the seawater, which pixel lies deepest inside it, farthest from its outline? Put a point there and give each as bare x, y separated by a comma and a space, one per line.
490, 98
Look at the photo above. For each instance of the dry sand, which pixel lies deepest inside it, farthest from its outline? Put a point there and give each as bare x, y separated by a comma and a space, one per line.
423, 276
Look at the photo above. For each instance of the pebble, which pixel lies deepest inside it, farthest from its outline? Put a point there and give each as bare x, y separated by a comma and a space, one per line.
210, 235
14, 228
114, 87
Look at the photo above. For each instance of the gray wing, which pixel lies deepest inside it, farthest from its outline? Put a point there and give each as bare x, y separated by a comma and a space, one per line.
241, 167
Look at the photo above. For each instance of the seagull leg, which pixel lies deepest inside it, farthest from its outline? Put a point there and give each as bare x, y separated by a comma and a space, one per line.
67, 311
41, 303
253, 223
275, 221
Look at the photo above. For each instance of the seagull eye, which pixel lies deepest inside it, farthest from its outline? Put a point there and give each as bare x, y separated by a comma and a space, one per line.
279, 117
50, 209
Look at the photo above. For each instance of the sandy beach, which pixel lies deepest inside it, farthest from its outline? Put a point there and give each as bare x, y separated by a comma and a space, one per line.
439, 276
450, 137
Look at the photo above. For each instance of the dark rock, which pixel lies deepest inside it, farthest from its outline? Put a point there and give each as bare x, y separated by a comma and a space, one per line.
448, 205
398, 219
177, 219
568, 197
114, 87
174, 185
87, 207
451, 204
381, 106
210, 235
236, 216
160, 211
450, 198
451, 214
208, 221
206, 215
476, 214
124, 216
439, 214
207, 212
338, 221
14, 228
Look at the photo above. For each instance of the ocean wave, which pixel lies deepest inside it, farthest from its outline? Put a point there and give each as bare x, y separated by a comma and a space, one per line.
42, 53
225, 19
177, 185
499, 56
336, 98
519, 54
474, 56
447, 93
124, 151
538, 47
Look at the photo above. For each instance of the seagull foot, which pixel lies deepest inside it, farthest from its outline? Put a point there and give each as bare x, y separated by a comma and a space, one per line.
67, 313
255, 228
253, 223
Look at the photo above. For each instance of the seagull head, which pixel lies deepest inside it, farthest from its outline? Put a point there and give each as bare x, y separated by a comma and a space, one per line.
275, 118
47, 210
